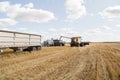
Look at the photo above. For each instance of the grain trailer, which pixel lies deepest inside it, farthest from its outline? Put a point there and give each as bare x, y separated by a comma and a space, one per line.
19, 41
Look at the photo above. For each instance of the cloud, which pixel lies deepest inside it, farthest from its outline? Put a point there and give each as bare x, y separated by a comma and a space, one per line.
26, 12
102, 33
23, 29
29, 5
111, 12
75, 9
118, 25
7, 21
66, 31
52, 30
4, 29
4, 6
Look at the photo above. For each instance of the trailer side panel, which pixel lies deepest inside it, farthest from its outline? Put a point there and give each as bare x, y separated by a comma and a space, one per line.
15, 39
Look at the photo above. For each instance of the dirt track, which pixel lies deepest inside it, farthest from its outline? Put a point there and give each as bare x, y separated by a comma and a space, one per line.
93, 62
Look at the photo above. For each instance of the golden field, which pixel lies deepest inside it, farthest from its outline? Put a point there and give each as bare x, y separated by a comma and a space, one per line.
97, 61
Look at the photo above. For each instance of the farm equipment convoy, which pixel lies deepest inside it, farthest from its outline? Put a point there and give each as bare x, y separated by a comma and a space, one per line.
75, 41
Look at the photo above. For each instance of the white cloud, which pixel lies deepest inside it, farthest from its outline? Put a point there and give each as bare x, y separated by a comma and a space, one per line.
75, 9
111, 12
23, 29
118, 25
4, 6
26, 12
66, 31
7, 21
52, 30
91, 14
29, 5
102, 33
4, 29
105, 28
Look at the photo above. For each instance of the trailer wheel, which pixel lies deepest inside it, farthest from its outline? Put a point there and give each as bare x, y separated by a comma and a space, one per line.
29, 49
1, 51
34, 48
38, 48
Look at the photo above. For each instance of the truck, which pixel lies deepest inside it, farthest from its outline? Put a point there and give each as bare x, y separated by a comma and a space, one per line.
48, 43
18, 41
54, 42
58, 42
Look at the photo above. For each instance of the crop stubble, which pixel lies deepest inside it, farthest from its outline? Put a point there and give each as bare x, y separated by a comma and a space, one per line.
98, 61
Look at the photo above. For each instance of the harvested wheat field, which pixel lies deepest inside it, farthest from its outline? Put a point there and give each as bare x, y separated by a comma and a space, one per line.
97, 61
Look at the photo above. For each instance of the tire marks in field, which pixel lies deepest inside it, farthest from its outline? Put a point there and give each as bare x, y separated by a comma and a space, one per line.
93, 62
50, 67
113, 63
29, 63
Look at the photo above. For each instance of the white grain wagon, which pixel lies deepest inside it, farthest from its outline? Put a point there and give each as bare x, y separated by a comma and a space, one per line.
19, 41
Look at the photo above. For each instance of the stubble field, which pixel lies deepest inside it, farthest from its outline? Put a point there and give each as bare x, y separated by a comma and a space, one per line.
97, 61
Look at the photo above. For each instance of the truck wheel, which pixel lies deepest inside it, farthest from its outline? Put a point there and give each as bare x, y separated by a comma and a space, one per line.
78, 45
60, 44
71, 45
82, 44
14, 50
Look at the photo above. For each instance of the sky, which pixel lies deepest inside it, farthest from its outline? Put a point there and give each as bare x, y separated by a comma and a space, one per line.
94, 20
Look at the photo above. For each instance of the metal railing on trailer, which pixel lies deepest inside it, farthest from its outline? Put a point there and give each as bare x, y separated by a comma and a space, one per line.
19, 41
